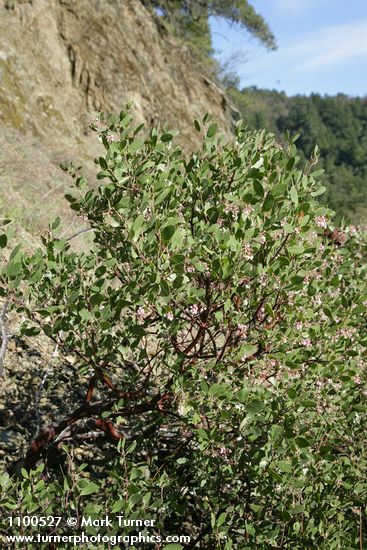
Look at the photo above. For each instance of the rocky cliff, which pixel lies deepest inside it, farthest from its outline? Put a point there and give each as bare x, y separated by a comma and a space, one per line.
61, 61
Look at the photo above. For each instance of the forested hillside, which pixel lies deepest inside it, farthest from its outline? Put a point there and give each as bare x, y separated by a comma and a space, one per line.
337, 125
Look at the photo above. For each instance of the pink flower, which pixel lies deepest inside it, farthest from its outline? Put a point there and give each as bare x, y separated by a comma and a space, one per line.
110, 137
223, 451
248, 254
306, 342
321, 221
312, 235
247, 209
231, 208
169, 316
140, 314
194, 310
147, 213
242, 330
262, 239
262, 279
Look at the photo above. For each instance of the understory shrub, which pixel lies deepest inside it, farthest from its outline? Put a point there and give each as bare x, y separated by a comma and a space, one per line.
221, 319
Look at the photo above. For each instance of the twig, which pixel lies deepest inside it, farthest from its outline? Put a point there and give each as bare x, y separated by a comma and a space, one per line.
40, 389
360, 530
4, 335
79, 233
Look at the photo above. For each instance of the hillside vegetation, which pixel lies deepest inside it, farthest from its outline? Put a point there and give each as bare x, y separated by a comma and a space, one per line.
198, 363
337, 125
222, 338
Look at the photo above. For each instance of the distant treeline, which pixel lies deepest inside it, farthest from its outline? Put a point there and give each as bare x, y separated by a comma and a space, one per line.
337, 124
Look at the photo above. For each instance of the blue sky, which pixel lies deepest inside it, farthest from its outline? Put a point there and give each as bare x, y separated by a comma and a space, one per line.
322, 47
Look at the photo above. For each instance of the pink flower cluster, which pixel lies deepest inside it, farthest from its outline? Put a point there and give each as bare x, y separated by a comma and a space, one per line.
321, 221
231, 208
247, 209
262, 279
194, 310
348, 333
242, 330
306, 342
141, 314
262, 239
248, 253
110, 137
147, 213
312, 236
317, 300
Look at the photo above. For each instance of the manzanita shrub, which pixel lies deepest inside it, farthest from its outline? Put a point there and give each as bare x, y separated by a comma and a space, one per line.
222, 319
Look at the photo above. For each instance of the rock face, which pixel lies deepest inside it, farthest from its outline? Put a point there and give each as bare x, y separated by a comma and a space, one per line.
61, 61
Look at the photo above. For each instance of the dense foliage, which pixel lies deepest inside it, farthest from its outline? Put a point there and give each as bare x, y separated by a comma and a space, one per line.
224, 320
189, 19
338, 125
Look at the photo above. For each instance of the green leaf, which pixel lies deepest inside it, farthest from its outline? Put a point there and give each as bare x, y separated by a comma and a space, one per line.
217, 389
212, 130
16, 253
90, 488
173, 546
268, 203
309, 404
258, 188
255, 406
56, 223
284, 467
302, 442
135, 498
103, 163
294, 195
84, 314
136, 226
222, 518
166, 137
243, 394
136, 145
167, 233
163, 194
247, 350
296, 249
3, 240
290, 164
